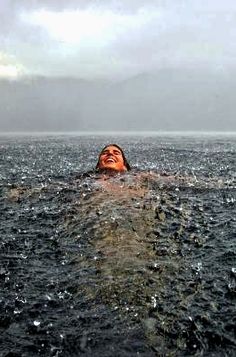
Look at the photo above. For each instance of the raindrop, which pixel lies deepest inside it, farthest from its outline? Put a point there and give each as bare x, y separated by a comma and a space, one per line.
154, 301
36, 323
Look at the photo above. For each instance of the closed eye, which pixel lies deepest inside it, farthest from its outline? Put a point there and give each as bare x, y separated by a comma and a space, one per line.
115, 152
105, 152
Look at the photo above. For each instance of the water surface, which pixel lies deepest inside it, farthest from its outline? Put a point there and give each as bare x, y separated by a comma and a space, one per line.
133, 266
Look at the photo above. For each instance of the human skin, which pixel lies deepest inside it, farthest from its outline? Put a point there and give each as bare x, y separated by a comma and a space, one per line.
111, 158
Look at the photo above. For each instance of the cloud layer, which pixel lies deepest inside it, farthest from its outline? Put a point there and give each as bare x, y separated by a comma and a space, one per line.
97, 40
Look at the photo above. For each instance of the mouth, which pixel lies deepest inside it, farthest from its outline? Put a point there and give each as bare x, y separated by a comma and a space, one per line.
110, 160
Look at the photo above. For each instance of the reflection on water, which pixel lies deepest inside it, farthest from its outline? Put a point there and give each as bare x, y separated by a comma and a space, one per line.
138, 264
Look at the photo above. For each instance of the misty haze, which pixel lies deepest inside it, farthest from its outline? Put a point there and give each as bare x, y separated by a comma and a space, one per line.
175, 100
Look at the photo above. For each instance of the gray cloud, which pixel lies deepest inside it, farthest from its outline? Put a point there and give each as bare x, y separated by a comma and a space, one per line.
174, 33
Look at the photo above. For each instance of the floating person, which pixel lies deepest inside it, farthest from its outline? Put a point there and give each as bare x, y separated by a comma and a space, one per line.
123, 224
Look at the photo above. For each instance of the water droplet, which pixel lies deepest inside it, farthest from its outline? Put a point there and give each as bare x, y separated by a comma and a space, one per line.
154, 301
36, 323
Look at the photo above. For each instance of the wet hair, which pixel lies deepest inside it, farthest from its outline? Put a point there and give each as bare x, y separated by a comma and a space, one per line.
127, 165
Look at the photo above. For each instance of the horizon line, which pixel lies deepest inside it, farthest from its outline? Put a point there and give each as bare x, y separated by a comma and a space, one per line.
121, 133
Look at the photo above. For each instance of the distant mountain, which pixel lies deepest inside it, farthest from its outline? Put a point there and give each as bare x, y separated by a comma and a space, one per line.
170, 99
178, 100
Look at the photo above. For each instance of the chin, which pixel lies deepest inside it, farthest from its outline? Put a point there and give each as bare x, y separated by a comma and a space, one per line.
111, 167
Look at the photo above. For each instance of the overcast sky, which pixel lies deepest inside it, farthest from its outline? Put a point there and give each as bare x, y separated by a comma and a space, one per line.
114, 39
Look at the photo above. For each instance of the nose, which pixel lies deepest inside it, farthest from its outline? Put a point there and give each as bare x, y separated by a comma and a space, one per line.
110, 153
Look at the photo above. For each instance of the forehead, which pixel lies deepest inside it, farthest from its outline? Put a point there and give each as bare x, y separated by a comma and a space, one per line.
111, 147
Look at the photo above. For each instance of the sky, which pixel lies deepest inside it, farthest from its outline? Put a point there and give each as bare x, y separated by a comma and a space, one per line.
114, 39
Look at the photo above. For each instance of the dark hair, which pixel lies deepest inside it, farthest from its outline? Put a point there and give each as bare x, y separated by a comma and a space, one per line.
127, 165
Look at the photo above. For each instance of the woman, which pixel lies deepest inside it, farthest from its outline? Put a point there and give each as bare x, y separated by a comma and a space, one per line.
112, 158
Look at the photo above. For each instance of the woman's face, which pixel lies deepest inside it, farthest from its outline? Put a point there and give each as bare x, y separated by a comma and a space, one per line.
112, 158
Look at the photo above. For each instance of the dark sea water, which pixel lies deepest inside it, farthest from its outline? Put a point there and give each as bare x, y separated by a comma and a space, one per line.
137, 265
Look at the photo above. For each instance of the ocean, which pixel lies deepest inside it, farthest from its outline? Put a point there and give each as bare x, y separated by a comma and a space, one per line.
140, 264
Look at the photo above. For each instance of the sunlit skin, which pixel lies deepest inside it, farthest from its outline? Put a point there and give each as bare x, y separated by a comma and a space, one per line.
112, 158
